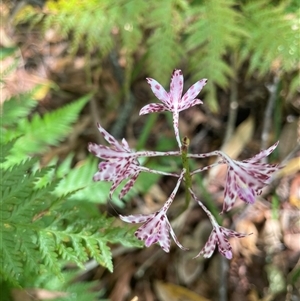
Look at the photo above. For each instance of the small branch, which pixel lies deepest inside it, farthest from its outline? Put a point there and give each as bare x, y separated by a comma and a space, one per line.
124, 111
224, 265
273, 88
123, 117
233, 104
95, 117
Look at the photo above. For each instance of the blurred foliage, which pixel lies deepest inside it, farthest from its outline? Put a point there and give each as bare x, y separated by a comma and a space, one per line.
47, 286
202, 35
40, 232
43, 228
39, 132
39, 227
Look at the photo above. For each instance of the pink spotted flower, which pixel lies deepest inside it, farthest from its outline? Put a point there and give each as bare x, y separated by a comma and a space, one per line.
120, 162
173, 101
156, 227
246, 179
218, 237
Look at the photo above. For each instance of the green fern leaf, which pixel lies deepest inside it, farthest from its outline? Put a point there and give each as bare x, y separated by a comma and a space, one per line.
41, 132
164, 50
10, 258
5, 149
40, 231
47, 248
80, 178
89, 22
273, 36
214, 32
16, 108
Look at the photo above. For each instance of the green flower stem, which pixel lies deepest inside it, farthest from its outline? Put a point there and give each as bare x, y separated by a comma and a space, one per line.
187, 175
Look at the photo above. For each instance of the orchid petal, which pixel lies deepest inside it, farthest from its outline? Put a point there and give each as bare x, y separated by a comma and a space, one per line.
262, 154
187, 105
136, 219
128, 185
104, 152
192, 92
152, 108
218, 237
176, 87
159, 91
109, 138
210, 246
246, 194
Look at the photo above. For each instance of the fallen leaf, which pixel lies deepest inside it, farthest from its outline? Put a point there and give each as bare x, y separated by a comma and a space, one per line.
239, 139
292, 241
288, 140
246, 246
272, 235
295, 191
290, 168
253, 296
169, 291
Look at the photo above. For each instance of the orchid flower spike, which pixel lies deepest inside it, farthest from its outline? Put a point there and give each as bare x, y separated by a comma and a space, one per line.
173, 101
156, 227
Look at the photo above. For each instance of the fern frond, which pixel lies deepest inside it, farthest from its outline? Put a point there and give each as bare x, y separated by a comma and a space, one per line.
70, 289
11, 265
213, 32
132, 13
40, 230
164, 47
16, 108
89, 22
28, 14
273, 37
82, 290
47, 248
79, 178
5, 149
40, 132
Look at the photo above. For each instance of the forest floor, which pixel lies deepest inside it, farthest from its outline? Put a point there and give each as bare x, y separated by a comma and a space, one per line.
265, 265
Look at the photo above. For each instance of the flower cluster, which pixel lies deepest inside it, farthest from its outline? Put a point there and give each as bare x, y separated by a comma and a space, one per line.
245, 179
